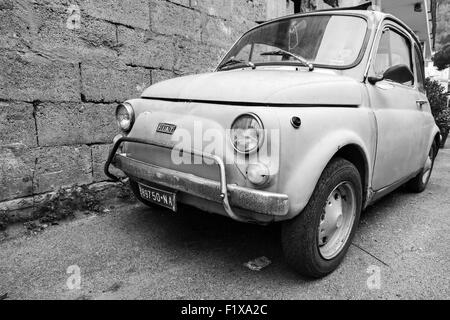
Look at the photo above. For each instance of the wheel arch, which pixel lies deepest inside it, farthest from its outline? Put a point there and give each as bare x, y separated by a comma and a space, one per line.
437, 140
341, 143
355, 154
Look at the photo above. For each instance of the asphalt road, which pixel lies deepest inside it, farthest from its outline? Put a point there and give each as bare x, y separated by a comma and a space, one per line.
401, 251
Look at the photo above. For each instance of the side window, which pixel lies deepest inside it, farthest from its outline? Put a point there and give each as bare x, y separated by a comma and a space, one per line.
393, 49
419, 66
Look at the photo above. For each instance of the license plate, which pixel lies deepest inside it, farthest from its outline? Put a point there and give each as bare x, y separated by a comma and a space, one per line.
161, 197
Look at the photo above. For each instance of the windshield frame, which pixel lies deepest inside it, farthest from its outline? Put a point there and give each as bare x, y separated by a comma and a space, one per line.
297, 63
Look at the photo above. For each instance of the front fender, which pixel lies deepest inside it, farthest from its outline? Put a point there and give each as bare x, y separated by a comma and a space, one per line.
306, 173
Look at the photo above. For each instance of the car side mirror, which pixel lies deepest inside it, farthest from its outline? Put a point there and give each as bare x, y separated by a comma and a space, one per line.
399, 73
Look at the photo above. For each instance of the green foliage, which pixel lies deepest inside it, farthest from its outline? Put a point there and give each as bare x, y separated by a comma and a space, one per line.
443, 24
442, 58
439, 103
66, 201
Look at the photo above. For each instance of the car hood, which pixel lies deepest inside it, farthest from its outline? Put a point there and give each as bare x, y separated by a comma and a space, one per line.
261, 86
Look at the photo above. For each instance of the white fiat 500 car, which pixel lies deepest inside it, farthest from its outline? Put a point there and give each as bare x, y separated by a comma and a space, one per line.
307, 120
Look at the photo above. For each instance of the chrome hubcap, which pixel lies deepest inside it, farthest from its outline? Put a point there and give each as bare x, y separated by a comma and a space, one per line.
337, 219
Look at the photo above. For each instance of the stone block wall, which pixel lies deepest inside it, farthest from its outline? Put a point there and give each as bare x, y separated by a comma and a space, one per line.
65, 64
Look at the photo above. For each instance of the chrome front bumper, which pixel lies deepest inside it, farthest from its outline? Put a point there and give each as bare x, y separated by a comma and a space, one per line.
257, 201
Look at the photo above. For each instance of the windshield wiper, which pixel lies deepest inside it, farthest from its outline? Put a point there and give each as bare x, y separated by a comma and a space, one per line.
281, 52
233, 61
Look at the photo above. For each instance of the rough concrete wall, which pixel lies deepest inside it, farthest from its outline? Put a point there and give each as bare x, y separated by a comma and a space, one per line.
278, 8
312, 5
65, 64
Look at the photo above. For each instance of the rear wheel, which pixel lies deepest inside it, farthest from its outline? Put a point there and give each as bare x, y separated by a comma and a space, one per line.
316, 241
420, 182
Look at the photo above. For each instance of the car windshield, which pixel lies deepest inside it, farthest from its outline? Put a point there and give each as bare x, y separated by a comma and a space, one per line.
323, 40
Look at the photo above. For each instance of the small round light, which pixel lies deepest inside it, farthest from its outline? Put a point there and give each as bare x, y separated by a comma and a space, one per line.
125, 116
258, 173
247, 133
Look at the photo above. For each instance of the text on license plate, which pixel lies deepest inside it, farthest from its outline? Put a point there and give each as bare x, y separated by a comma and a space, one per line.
158, 196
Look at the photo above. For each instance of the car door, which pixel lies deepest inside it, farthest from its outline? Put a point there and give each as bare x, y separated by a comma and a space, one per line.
399, 120
427, 121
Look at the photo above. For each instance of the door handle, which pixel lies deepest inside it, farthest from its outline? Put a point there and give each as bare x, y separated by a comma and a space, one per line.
420, 103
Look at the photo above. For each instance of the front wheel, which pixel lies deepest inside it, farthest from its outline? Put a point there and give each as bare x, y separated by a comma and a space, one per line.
316, 241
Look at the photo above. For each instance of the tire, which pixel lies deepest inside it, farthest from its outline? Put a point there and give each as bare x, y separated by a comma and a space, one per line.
135, 189
420, 182
303, 250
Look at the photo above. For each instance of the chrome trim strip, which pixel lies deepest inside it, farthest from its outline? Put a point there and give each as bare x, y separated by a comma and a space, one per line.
372, 49
252, 104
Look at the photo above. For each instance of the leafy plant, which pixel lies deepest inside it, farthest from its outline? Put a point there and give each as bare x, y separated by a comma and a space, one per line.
438, 102
65, 202
442, 58
442, 24
439, 107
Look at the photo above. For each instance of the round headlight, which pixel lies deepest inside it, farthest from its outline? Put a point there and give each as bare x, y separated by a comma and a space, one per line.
125, 116
247, 133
